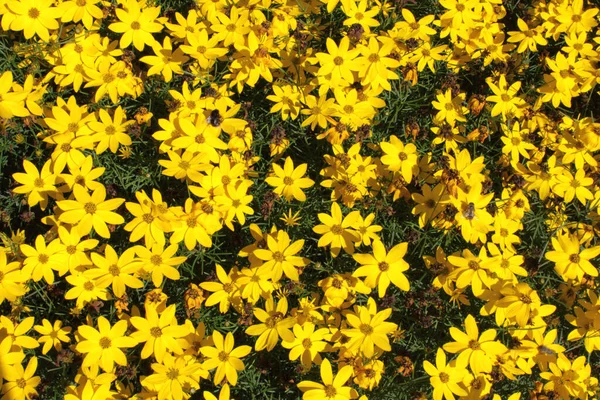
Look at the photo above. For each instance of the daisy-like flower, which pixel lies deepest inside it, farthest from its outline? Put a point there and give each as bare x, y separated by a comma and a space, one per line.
159, 262
570, 261
335, 230
446, 378
20, 382
289, 181
103, 346
478, 351
36, 184
280, 256
173, 375
224, 358
505, 97
369, 330
158, 332
383, 267
274, 324
34, 17
136, 24
333, 387
52, 335
110, 133
91, 211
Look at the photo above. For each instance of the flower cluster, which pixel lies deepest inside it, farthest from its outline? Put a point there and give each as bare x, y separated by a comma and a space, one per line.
451, 150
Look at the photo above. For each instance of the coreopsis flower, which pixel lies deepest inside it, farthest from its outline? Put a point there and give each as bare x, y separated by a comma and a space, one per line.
84, 175
450, 109
400, 157
20, 383
159, 262
446, 378
571, 186
289, 181
165, 61
136, 24
42, 260
114, 270
80, 10
17, 331
34, 17
103, 346
333, 387
274, 324
567, 378
38, 185
86, 290
338, 61
173, 375
52, 335
149, 222
368, 330
291, 219
224, 357
472, 217
430, 203
366, 229
89, 212
11, 103
505, 97
159, 333
280, 256
335, 230
479, 352
307, 345
225, 292
527, 37
570, 261
382, 267
110, 133
235, 204
12, 283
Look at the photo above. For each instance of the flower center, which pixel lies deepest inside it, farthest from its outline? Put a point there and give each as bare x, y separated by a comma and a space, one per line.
135, 25
366, 329
288, 181
338, 60
90, 208
444, 377
38, 183
114, 270
330, 391
148, 218
156, 259
43, 258
33, 13
156, 332
173, 373
337, 229
574, 258
89, 286
278, 256
383, 266
21, 383
306, 343
105, 342
474, 345
223, 356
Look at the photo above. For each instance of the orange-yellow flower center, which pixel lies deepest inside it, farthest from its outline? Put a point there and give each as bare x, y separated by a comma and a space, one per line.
306, 343
173, 373
337, 229
33, 13
43, 258
21, 383
444, 377
156, 260
90, 208
114, 270
148, 218
330, 391
135, 25
474, 345
223, 356
89, 286
278, 256
38, 183
383, 266
338, 60
156, 332
288, 181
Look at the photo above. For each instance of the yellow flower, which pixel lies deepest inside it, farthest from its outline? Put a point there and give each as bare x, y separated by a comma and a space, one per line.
274, 325
368, 330
20, 383
89, 212
383, 267
225, 292
505, 97
136, 24
109, 132
446, 379
52, 335
570, 261
478, 351
280, 256
86, 290
34, 17
307, 345
450, 109
103, 346
149, 222
11, 284
289, 181
223, 394
338, 61
224, 358
332, 388
42, 260
158, 332
165, 61
173, 375
400, 157
114, 270
159, 262
335, 230
36, 184
80, 10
